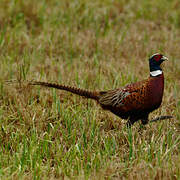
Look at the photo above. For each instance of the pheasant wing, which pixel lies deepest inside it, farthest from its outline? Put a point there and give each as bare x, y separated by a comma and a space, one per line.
130, 97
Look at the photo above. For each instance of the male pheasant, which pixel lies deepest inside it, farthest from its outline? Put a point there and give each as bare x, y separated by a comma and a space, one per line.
134, 101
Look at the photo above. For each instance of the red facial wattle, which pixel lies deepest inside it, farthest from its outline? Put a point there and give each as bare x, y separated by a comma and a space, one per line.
158, 57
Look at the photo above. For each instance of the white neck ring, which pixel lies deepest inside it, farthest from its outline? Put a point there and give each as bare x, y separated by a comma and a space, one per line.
155, 73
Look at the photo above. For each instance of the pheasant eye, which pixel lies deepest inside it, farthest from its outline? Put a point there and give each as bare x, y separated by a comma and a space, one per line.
157, 57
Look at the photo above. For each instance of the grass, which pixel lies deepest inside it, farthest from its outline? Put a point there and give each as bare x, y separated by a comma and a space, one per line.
49, 134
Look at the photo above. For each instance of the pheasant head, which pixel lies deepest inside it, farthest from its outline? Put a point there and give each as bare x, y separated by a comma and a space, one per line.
155, 62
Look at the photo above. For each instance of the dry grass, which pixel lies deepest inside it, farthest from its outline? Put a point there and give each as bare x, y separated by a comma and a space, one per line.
48, 134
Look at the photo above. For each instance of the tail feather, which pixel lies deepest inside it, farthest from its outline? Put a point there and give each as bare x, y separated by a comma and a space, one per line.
78, 91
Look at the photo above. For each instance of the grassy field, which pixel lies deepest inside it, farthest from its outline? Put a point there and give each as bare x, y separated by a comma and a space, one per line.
95, 45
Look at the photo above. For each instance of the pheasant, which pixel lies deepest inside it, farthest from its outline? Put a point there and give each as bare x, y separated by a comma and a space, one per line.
134, 101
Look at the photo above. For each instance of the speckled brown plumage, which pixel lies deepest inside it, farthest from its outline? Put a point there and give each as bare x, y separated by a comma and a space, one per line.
133, 102
139, 99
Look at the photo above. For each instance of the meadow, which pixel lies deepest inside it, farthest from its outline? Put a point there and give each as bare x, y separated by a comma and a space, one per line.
95, 45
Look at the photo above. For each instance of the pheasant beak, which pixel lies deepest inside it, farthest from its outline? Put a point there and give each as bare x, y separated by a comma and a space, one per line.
164, 58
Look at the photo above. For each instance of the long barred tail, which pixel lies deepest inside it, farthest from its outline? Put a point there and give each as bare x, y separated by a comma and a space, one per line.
80, 92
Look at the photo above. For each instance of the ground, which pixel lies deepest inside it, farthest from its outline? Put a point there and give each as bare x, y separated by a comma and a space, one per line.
95, 45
